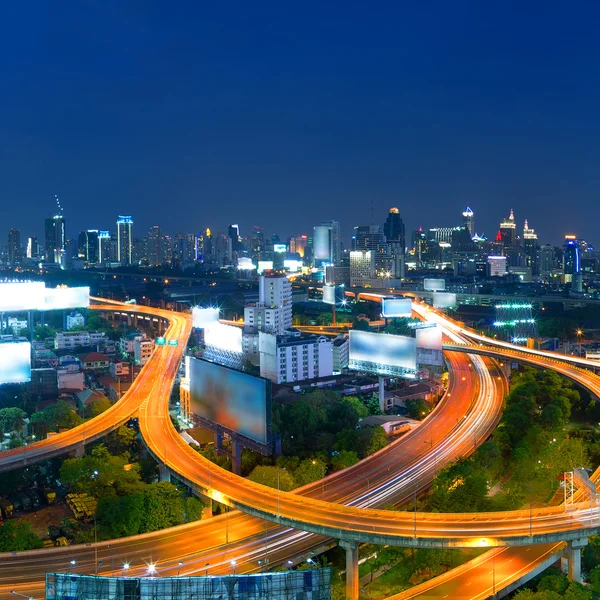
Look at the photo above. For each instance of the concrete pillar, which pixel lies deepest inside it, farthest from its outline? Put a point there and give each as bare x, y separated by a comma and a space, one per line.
218, 442
79, 451
382, 404
574, 559
163, 473
236, 457
351, 569
207, 511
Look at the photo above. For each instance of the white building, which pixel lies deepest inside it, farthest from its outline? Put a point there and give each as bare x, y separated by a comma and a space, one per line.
497, 266
67, 340
118, 369
15, 325
341, 353
276, 292
142, 350
70, 378
75, 319
290, 359
362, 267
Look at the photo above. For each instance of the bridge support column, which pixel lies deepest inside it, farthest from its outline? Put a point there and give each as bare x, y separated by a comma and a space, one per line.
236, 457
574, 559
163, 473
79, 451
351, 569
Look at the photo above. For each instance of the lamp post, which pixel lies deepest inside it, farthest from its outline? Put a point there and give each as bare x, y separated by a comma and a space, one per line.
579, 333
125, 568
415, 506
279, 492
233, 563
368, 488
179, 565
206, 567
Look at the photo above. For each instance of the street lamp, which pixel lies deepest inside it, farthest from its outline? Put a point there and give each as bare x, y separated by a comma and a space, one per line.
279, 492
22, 595
180, 564
579, 333
206, 567
290, 563
233, 563
151, 569
125, 568
72, 563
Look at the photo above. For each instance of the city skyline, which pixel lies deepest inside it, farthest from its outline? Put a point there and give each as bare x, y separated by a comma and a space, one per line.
263, 117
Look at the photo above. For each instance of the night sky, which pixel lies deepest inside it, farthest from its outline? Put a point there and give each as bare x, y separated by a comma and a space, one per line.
196, 114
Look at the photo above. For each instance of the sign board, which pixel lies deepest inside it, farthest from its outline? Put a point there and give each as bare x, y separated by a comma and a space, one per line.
173, 342
160, 341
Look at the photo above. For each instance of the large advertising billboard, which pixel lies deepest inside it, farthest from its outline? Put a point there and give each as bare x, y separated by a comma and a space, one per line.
203, 317
392, 308
444, 300
382, 353
429, 346
65, 298
333, 294
15, 362
224, 337
434, 285
238, 402
26, 295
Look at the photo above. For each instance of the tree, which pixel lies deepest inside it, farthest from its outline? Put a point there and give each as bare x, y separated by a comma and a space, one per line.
97, 406
16, 535
310, 470
273, 477
364, 441
54, 417
12, 419
193, 508
163, 507
120, 516
343, 459
120, 441
417, 408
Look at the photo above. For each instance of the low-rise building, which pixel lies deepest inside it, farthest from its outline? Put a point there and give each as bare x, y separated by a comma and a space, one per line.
142, 350
75, 319
341, 353
286, 359
70, 378
119, 368
94, 360
68, 340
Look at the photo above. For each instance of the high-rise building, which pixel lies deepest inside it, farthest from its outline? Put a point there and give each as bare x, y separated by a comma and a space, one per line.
55, 240
154, 252
33, 248
327, 243
104, 247
124, 239
370, 237
547, 260
87, 246
362, 267
233, 232
508, 230
297, 244
530, 245
393, 228
14, 247
572, 262
276, 291
469, 221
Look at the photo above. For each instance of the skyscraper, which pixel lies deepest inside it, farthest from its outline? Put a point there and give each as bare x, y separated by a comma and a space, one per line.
55, 240
33, 248
104, 247
508, 230
530, 245
124, 239
469, 221
14, 247
393, 228
87, 246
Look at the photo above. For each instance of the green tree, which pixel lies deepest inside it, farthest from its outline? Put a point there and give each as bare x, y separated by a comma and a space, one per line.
163, 507
120, 516
273, 477
120, 441
310, 470
193, 508
97, 406
16, 535
12, 419
53, 418
417, 408
343, 459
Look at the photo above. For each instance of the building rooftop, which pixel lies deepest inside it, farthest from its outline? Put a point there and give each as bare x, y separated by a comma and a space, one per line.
94, 357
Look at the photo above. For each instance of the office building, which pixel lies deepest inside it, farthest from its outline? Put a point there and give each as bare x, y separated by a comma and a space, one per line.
55, 240
297, 245
33, 247
87, 247
14, 247
288, 359
124, 240
327, 243
469, 221
497, 266
362, 267
341, 353
530, 246
104, 247
547, 260
508, 230
142, 349
572, 263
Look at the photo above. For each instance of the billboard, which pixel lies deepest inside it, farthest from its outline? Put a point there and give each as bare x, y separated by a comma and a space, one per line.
280, 248
245, 264
392, 308
434, 285
429, 346
334, 294
293, 266
15, 362
65, 297
238, 402
25, 295
201, 317
444, 300
223, 337
265, 265
382, 353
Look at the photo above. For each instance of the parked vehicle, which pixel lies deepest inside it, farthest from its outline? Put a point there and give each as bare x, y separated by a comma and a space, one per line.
35, 499
49, 495
8, 510
25, 501
16, 502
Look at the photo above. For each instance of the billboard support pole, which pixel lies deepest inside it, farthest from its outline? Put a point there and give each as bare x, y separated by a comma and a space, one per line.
236, 457
382, 405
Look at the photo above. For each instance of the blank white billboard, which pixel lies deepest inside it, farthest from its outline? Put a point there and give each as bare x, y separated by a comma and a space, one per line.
15, 362
66, 297
17, 296
434, 285
429, 338
224, 337
265, 265
396, 308
444, 300
329, 294
202, 317
382, 353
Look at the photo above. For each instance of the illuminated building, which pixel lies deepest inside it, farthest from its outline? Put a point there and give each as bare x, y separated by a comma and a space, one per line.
14, 247
287, 359
87, 247
393, 228
297, 244
497, 266
508, 230
469, 221
33, 247
124, 239
362, 267
327, 243
257, 244
530, 246
514, 322
55, 240
572, 263
104, 247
